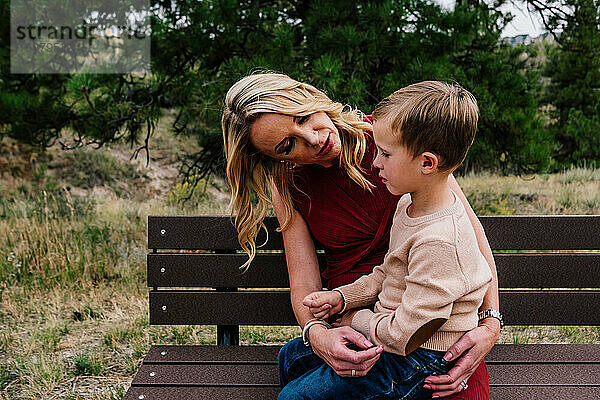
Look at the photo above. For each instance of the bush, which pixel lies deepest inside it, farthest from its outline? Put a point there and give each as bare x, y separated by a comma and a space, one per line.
87, 169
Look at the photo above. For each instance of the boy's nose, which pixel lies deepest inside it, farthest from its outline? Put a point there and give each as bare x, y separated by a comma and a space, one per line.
376, 163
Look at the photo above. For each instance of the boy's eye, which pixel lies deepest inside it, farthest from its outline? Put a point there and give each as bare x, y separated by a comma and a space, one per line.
383, 154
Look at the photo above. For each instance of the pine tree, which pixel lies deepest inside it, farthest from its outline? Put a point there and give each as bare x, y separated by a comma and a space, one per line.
574, 69
357, 51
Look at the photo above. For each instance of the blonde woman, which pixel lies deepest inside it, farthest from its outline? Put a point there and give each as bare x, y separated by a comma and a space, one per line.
311, 158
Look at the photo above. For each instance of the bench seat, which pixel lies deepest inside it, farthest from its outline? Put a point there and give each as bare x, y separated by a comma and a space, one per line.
525, 371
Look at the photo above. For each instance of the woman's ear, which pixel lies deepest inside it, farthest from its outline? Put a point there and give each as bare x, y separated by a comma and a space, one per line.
429, 163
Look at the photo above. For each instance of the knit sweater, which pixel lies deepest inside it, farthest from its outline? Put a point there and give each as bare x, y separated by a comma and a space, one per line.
432, 271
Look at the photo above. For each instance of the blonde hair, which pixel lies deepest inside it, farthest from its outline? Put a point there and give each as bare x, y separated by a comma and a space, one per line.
432, 116
249, 170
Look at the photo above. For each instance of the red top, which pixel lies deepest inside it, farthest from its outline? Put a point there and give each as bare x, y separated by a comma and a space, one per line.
350, 223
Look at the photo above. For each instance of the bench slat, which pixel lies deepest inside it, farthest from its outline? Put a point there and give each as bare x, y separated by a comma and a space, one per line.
221, 308
540, 232
202, 393
263, 393
544, 353
203, 233
520, 307
544, 392
207, 375
545, 374
261, 375
548, 270
198, 354
217, 270
501, 353
551, 307
269, 270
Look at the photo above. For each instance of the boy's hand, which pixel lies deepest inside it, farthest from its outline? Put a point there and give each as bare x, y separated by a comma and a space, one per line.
324, 304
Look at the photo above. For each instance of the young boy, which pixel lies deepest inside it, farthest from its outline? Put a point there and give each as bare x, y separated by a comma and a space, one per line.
432, 281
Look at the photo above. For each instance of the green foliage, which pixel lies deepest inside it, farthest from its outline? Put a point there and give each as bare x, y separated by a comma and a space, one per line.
574, 69
584, 131
87, 169
119, 335
357, 51
88, 363
186, 192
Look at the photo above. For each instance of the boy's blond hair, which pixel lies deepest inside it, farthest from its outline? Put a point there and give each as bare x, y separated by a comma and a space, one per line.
432, 116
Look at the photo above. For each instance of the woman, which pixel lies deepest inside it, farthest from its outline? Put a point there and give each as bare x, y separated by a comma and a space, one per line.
311, 159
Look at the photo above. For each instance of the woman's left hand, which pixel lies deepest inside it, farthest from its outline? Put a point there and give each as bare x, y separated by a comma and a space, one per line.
472, 349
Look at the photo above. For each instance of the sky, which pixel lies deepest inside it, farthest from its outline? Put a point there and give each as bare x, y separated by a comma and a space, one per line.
522, 23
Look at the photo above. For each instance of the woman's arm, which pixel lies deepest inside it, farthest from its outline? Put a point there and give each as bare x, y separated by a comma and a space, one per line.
477, 343
303, 270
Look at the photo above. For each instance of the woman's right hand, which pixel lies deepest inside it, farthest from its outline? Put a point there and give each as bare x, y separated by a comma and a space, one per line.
331, 346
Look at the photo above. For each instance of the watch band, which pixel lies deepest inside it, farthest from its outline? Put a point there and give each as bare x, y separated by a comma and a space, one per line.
491, 312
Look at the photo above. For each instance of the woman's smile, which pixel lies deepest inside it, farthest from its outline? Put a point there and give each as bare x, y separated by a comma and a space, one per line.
326, 147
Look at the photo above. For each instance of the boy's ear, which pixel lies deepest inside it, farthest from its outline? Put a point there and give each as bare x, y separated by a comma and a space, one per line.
429, 163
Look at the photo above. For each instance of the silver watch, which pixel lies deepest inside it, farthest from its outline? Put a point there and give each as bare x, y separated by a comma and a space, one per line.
490, 312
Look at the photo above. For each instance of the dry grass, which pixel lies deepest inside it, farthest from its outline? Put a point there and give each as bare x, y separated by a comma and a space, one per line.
73, 300
574, 191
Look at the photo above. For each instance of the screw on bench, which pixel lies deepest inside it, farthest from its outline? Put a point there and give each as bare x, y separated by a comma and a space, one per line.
141, 396
164, 308
162, 232
163, 353
152, 373
162, 270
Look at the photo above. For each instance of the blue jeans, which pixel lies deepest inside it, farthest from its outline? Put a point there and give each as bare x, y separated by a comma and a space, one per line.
303, 375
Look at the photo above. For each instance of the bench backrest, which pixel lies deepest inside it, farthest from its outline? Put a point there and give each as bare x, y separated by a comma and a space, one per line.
548, 268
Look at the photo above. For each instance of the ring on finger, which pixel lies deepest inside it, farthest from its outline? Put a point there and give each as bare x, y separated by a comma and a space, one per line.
464, 385
353, 372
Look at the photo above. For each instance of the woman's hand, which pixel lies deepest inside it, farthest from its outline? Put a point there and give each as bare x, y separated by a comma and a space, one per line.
472, 349
330, 346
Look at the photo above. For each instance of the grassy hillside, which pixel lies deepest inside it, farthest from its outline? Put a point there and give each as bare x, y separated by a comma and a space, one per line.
73, 300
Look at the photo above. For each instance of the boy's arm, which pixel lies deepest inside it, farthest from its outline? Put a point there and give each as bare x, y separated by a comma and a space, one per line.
435, 280
491, 298
364, 290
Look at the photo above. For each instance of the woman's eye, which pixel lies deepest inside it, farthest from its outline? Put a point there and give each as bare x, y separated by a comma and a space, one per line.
383, 154
288, 148
303, 119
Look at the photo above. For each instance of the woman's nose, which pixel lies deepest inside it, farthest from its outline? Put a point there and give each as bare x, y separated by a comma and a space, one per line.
311, 137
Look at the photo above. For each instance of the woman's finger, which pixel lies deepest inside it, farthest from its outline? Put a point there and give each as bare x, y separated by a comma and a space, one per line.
458, 348
463, 368
347, 373
454, 386
342, 367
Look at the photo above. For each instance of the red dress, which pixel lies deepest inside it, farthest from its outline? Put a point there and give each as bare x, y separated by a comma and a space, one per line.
353, 225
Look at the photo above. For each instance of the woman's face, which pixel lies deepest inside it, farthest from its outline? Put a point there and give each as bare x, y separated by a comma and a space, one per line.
312, 139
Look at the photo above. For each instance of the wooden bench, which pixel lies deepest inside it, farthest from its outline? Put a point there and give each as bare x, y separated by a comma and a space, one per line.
537, 288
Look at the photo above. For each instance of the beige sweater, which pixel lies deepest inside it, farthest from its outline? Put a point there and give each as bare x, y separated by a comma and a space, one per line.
433, 270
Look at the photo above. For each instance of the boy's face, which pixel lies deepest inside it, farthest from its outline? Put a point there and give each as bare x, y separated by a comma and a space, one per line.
399, 170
